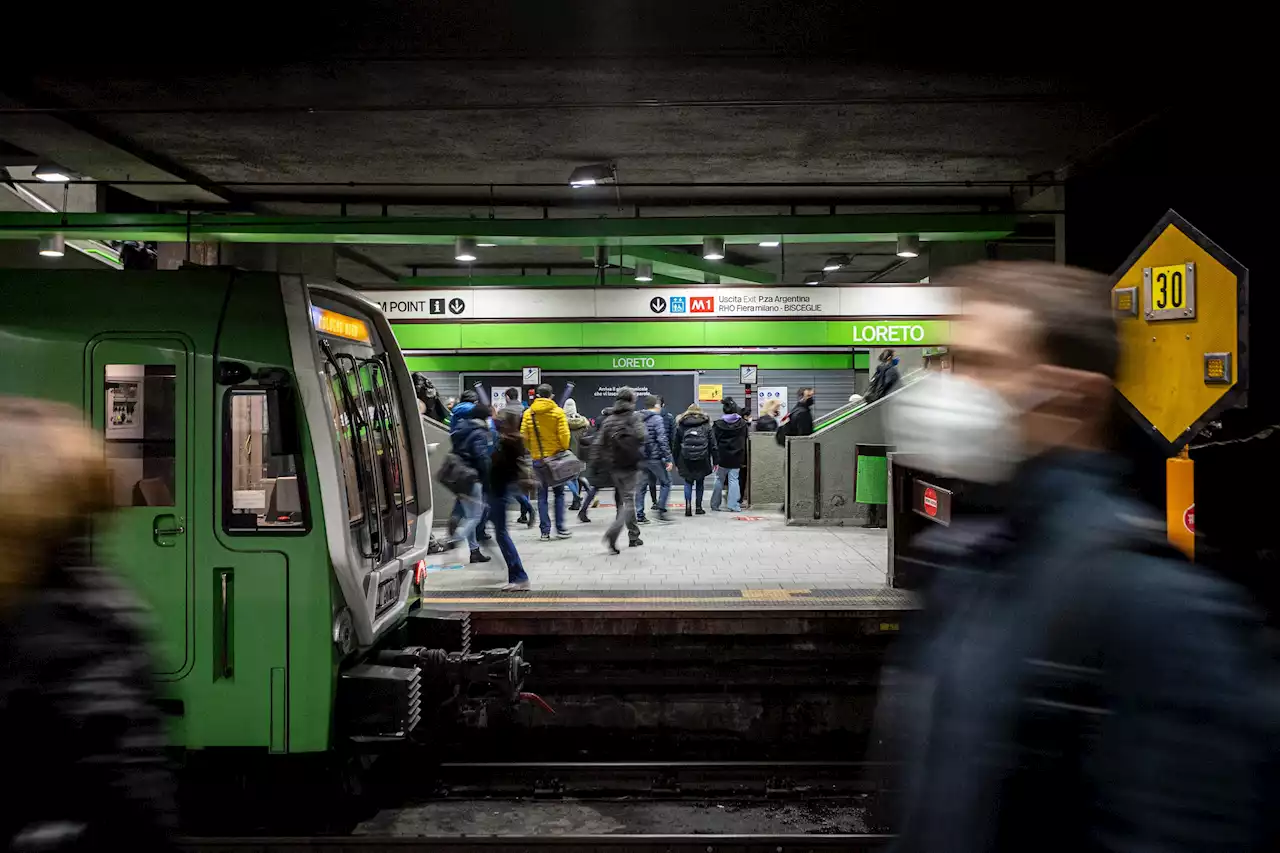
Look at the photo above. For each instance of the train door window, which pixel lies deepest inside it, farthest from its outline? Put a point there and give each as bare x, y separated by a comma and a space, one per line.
261, 491
139, 430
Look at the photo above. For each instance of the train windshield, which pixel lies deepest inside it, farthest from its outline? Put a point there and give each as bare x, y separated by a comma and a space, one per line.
369, 418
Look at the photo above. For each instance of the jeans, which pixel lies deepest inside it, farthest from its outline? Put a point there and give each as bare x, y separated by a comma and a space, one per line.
544, 519
588, 496
688, 491
624, 486
653, 473
574, 488
472, 508
498, 513
526, 506
731, 489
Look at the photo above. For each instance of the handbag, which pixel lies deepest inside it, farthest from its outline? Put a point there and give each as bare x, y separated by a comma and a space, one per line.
456, 475
557, 469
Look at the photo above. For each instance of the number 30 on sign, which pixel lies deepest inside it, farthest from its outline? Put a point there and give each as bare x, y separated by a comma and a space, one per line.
1170, 292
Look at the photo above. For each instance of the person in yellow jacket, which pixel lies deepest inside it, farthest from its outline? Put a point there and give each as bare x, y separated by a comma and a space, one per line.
546, 432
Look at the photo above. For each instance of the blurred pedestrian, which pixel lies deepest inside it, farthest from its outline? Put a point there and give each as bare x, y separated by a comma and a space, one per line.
729, 453
546, 433
429, 405
619, 451
510, 474
1076, 684
768, 420
886, 378
79, 730
694, 450
577, 428
655, 468
473, 444
512, 405
593, 474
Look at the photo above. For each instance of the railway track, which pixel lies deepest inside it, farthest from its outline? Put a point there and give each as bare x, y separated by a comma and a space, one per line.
546, 844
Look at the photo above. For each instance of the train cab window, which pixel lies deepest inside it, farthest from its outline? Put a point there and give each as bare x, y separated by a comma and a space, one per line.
139, 427
261, 492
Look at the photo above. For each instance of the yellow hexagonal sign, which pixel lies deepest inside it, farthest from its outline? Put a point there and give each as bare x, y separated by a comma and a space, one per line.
1181, 311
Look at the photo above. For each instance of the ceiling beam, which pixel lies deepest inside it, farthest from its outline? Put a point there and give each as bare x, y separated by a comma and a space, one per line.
417, 230
456, 281
688, 268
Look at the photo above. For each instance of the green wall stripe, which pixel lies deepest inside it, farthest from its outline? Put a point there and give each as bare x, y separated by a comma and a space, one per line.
641, 333
673, 361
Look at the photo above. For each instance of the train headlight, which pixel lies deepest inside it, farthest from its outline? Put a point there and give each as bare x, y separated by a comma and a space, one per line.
344, 634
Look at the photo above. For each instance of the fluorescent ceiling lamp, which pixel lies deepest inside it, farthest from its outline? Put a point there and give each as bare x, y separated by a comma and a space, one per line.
590, 176
53, 246
51, 173
908, 245
770, 244
713, 248
644, 271
835, 262
486, 245
815, 278
464, 249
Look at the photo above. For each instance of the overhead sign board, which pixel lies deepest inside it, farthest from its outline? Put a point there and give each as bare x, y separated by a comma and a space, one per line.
668, 303
1180, 303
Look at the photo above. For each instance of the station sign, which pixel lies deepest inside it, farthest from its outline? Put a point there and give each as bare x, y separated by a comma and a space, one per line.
671, 303
1180, 303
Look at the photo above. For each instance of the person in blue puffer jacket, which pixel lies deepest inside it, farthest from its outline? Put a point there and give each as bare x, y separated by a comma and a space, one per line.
471, 436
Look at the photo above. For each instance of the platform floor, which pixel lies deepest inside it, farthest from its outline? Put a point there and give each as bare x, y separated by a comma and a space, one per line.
721, 558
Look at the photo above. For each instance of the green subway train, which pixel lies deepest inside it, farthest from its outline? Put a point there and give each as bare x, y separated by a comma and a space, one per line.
273, 500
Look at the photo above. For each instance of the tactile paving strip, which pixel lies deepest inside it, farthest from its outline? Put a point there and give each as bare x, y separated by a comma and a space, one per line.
867, 598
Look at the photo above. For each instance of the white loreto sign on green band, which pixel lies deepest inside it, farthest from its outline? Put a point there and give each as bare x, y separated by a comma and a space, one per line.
901, 332
667, 303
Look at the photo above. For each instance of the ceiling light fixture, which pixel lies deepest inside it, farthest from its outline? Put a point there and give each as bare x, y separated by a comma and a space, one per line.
486, 245
53, 246
593, 175
908, 245
644, 271
464, 249
835, 262
51, 173
770, 244
713, 248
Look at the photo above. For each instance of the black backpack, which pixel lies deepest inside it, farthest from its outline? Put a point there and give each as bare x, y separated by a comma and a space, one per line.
623, 441
695, 444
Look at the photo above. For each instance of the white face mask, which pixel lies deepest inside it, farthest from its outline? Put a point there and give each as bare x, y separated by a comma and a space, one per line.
957, 428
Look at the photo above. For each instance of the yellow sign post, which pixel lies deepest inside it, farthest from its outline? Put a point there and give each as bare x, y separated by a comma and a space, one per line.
1181, 311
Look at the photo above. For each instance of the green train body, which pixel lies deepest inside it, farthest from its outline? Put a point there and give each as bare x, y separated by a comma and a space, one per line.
274, 523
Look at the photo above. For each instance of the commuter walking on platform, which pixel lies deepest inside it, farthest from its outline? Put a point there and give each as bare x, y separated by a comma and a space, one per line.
593, 474
768, 420
577, 428
546, 433
472, 443
655, 470
619, 451
512, 405
730, 455
1075, 683
509, 474
694, 450
79, 728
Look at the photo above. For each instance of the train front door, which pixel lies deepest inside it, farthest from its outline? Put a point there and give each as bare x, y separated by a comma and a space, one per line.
140, 397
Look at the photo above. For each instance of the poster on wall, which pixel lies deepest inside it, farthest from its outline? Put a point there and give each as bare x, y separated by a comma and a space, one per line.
772, 392
710, 393
594, 392
498, 395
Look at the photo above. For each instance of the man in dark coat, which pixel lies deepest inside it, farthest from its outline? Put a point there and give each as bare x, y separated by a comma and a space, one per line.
618, 451
655, 469
730, 456
695, 448
1074, 684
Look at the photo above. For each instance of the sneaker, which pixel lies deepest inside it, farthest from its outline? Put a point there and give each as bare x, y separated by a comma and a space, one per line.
612, 546
640, 519
595, 504
563, 534
546, 537
576, 505
663, 518
483, 537
582, 516
635, 543
478, 556
517, 586
523, 519
700, 511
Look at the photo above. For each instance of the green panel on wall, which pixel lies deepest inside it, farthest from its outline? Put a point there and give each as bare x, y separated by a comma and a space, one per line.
658, 361
428, 335
671, 333
520, 335
773, 333
862, 360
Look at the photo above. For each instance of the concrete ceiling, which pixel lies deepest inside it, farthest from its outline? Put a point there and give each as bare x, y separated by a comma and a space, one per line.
483, 108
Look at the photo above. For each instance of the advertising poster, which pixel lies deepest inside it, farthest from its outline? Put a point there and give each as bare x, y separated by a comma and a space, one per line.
595, 391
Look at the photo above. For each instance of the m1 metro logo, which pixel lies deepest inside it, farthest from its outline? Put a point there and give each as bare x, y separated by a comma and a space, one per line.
702, 304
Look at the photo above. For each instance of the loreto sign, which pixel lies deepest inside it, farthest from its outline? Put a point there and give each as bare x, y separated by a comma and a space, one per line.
901, 333
480, 304
625, 362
